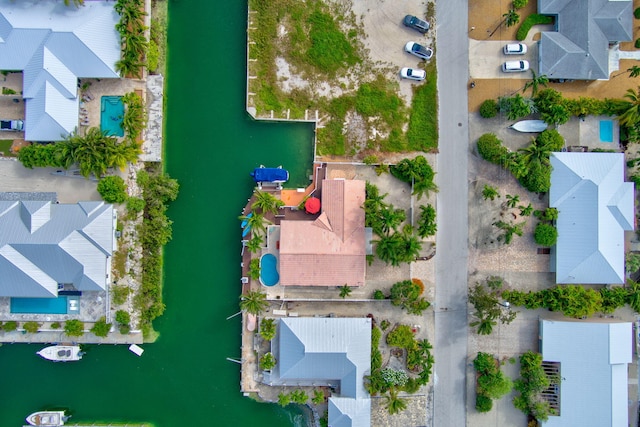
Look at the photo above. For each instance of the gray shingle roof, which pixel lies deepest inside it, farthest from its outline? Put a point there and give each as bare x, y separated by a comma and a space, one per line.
595, 208
317, 351
593, 361
43, 244
54, 46
579, 48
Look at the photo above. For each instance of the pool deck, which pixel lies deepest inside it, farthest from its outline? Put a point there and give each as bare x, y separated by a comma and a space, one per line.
586, 133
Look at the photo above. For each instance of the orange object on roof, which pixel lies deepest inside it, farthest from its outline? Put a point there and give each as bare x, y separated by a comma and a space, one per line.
312, 205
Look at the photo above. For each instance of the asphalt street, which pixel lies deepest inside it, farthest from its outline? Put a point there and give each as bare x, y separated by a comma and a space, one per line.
452, 248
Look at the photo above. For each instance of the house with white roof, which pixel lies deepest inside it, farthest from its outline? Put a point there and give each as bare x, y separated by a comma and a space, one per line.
55, 45
46, 246
595, 208
333, 352
591, 360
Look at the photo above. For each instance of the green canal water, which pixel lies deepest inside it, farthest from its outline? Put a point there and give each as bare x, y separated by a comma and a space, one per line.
184, 378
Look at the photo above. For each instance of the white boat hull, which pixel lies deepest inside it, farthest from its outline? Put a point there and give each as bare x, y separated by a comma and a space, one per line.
61, 353
47, 418
529, 126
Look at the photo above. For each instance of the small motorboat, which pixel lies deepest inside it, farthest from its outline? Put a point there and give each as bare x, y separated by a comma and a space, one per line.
529, 126
264, 175
61, 353
47, 418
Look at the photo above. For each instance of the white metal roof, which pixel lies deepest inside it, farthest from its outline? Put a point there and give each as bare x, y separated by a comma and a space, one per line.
593, 361
55, 45
595, 207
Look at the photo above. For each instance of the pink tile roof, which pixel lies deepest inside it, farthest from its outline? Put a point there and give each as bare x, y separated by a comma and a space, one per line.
329, 251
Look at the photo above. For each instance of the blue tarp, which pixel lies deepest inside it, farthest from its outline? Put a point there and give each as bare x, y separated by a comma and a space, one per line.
270, 175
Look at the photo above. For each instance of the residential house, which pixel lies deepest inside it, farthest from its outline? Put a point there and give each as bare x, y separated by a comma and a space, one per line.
330, 250
579, 47
590, 360
595, 207
55, 45
331, 352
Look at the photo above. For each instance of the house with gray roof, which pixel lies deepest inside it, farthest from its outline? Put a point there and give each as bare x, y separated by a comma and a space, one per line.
55, 45
579, 47
45, 246
590, 360
595, 208
333, 352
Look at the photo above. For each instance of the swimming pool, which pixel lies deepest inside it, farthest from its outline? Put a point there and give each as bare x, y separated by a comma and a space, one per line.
606, 130
39, 305
111, 114
268, 270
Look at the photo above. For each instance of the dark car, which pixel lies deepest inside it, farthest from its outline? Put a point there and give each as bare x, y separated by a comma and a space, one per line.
416, 23
11, 125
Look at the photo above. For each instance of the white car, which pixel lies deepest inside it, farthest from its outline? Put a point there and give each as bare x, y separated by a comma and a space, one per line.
413, 74
418, 50
515, 49
515, 66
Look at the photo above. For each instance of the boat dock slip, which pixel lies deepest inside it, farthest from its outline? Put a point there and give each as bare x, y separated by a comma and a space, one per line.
136, 349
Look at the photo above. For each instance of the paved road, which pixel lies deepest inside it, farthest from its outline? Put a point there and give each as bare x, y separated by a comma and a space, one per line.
451, 264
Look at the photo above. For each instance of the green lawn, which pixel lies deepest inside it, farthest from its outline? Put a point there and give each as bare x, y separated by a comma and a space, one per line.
5, 147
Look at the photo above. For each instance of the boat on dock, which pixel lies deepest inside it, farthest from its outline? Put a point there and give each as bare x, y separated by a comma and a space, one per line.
270, 176
47, 418
529, 126
61, 353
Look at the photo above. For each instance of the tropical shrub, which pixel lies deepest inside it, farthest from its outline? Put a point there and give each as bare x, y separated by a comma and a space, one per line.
378, 294
123, 317
135, 204
10, 326
519, 4
31, 327
488, 109
406, 294
636, 13
284, 399
491, 149
427, 225
112, 189
101, 328
545, 234
254, 268
134, 119
268, 328
417, 171
401, 336
318, 397
486, 300
74, 328
55, 325
532, 382
529, 22
491, 383
119, 294
267, 361
394, 378
299, 397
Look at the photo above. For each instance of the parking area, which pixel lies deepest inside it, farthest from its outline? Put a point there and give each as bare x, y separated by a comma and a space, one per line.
486, 58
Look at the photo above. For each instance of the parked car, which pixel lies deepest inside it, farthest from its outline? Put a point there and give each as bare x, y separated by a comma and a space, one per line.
16, 125
418, 50
413, 74
515, 49
515, 66
416, 23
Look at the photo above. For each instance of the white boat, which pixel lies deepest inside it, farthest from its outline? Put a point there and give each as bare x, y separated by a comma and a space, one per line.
529, 126
136, 349
47, 418
61, 353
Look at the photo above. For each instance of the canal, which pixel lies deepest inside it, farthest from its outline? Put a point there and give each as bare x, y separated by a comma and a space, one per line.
211, 146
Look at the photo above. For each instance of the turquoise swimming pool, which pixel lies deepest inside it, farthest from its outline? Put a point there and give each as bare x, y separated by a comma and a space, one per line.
606, 130
111, 114
268, 270
39, 305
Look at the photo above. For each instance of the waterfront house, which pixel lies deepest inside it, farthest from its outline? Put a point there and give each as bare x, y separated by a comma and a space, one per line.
329, 250
47, 247
595, 208
54, 46
584, 31
330, 352
589, 361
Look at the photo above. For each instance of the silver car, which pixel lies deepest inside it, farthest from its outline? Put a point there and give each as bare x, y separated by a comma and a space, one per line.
413, 74
515, 49
418, 50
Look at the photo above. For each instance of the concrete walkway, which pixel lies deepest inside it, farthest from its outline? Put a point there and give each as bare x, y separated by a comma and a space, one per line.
452, 240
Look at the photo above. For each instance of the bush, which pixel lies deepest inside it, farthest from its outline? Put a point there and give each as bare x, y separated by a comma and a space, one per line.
636, 13
545, 234
267, 328
101, 328
378, 294
112, 189
74, 328
519, 4
401, 336
55, 325
135, 204
31, 327
123, 317
10, 326
483, 403
119, 294
267, 362
489, 109
491, 149
530, 21
637, 44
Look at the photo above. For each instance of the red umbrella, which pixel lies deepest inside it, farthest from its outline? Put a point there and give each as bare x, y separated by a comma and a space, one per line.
312, 205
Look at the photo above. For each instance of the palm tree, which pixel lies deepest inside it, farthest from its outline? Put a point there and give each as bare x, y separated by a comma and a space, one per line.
388, 248
511, 18
390, 218
512, 201
267, 202
485, 325
255, 243
631, 116
525, 210
634, 71
535, 83
395, 404
256, 222
489, 192
345, 291
254, 302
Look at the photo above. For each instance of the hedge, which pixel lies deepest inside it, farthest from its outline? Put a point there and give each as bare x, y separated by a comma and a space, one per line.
530, 21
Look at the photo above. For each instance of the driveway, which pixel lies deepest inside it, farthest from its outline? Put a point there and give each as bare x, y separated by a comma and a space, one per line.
486, 58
